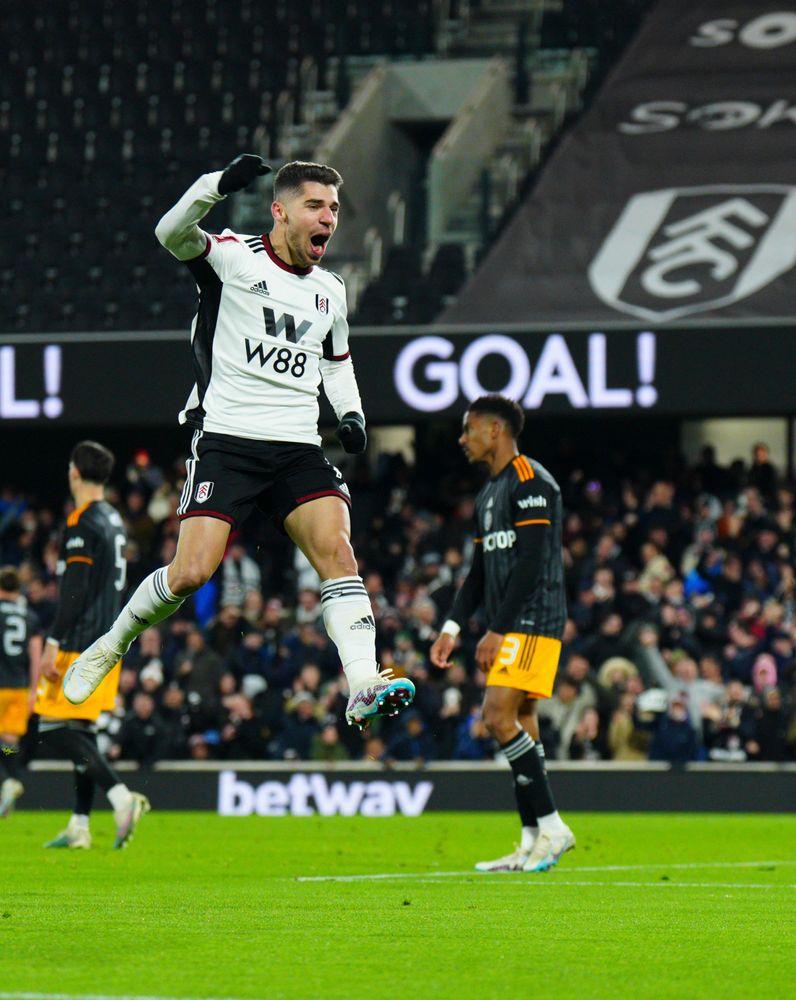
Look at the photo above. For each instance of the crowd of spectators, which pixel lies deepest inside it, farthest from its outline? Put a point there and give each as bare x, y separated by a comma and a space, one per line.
679, 644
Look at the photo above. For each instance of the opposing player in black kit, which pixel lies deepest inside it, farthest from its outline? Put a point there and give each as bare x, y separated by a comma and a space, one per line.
517, 577
92, 572
271, 325
20, 651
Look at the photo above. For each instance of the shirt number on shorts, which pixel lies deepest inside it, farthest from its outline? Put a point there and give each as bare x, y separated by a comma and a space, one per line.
508, 650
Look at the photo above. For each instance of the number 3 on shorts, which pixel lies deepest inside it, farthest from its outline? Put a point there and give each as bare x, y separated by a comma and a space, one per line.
508, 650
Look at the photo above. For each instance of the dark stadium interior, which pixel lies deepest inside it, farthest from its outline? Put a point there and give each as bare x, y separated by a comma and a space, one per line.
107, 111
585, 207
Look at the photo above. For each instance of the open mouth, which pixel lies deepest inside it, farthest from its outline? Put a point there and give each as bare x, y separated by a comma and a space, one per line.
318, 244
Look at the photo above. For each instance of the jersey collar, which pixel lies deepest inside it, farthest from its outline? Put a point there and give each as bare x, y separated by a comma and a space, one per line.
278, 260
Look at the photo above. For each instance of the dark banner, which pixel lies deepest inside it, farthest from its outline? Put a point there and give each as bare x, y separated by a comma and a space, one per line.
674, 195
373, 792
407, 376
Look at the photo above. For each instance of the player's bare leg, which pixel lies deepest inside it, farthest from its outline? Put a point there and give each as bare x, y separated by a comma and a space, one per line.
322, 530
529, 720
200, 549
503, 709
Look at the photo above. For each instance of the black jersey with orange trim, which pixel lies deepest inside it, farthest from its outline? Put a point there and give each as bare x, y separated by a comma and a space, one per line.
523, 495
18, 624
94, 537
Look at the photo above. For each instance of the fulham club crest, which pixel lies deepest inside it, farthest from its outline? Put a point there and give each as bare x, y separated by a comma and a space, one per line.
680, 251
203, 492
322, 304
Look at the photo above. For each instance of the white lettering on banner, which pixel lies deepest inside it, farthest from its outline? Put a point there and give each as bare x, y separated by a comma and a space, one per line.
768, 31
237, 797
519, 366
738, 240
555, 373
599, 393
718, 116
12, 408
444, 374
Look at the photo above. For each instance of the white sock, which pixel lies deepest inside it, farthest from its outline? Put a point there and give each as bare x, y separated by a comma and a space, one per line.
529, 835
150, 604
348, 618
119, 796
79, 821
552, 823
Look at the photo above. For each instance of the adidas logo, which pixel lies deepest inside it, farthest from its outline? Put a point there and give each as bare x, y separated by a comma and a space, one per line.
367, 622
260, 287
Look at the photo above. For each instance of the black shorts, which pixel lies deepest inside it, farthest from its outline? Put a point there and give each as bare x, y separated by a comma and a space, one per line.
228, 476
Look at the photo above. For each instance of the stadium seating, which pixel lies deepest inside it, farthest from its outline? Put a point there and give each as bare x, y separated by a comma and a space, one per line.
100, 102
559, 52
107, 108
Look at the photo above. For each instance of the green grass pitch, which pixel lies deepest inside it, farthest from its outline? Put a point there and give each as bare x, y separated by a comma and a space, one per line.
198, 906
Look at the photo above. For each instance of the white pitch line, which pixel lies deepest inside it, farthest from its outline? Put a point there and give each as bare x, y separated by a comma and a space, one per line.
569, 869
559, 883
96, 996
685, 865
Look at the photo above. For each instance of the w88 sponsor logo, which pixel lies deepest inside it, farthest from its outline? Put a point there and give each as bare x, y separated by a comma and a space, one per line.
281, 359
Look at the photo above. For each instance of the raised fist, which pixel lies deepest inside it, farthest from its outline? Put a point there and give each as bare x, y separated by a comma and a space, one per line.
241, 172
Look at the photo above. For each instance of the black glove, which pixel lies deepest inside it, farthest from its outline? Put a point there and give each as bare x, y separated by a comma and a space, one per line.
352, 434
241, 172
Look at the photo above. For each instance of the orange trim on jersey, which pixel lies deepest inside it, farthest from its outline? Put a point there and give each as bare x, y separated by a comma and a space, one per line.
523, 469
536, 520
74, 517
83, 559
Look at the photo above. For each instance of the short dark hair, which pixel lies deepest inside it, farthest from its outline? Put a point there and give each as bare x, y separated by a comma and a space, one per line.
9, 579
502, 407
290, 177
93, 461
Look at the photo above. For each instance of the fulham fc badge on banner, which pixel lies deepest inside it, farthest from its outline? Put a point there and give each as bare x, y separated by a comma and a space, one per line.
680, 251
203, 492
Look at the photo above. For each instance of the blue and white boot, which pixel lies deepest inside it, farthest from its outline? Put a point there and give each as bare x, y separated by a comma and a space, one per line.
379, 695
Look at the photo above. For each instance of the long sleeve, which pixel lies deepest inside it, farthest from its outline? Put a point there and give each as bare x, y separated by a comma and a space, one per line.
72, 597
524, 575
471, 593
178, 231
340, 386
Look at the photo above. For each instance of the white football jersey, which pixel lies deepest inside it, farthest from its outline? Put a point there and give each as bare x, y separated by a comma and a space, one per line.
259, 336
